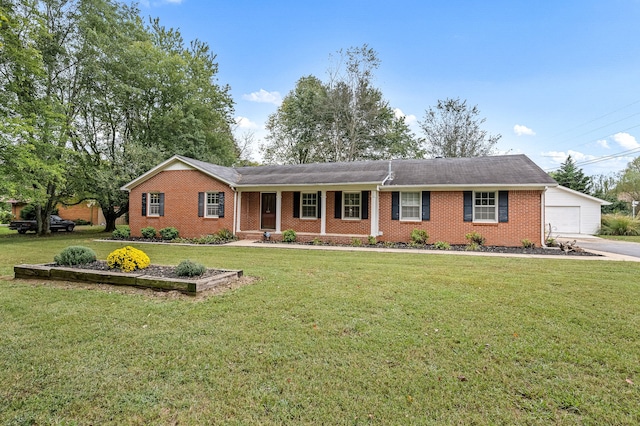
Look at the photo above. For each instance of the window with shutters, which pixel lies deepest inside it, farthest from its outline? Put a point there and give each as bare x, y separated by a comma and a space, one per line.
351, 205
309, 204
212, 207
154, 204
410, 203
485, 207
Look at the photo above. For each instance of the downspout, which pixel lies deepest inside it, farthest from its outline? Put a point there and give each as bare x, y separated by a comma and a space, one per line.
542, 216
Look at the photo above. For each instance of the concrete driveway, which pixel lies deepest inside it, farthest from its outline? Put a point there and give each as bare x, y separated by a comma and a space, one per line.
608, 246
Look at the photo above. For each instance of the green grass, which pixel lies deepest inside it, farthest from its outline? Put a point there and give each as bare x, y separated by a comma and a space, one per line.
632, 239
325, 337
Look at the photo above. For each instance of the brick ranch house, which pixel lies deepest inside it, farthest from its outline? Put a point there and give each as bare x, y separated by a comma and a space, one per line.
500, 197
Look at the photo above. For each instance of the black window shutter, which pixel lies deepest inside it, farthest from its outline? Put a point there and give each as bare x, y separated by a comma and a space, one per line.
468, 206
161, 196
426, 205
144, 204
338, 205
319, 204
296, 204
221, 204
395, 205
200, 204
364, 202
503, 206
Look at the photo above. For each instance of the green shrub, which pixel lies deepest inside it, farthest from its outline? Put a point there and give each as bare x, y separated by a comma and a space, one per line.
472, 246
371, 240
80, 222
419, 236
75, 255
528, 244
121, 234
389, 244
148, 232
442, 245
168, 233
475, 238
128, 259
551, 242
317, 241
617, 224
226, 235
356, 242
207, 239
289, 236
5, 216
187, 268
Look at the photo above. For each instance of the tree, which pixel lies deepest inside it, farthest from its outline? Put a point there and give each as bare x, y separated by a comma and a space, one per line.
604, 187
345, 119
452, 129
628, 186
572, 177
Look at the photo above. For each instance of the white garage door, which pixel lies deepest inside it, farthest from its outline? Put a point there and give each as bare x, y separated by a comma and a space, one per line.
563, 219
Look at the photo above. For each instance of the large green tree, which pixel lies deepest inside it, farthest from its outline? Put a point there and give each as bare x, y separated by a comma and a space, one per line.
453, 129
571, 176
344, 119
628, 186
100, 98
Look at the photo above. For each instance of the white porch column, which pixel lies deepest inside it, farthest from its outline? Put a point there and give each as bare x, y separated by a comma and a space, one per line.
278, 211
375, 213
238, 210
323, 212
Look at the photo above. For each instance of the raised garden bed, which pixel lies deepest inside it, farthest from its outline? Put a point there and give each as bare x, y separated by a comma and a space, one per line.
155, 277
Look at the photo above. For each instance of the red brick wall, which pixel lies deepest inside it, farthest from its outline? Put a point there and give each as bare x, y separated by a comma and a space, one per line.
297, 224
80, 211
347, 226
447, 223
180, 188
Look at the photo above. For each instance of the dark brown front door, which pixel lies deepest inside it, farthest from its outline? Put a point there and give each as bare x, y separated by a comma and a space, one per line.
268, 218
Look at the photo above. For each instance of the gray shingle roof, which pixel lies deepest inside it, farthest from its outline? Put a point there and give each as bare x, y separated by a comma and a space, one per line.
504, 170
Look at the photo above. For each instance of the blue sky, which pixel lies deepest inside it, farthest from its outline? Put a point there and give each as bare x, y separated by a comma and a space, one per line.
552, 77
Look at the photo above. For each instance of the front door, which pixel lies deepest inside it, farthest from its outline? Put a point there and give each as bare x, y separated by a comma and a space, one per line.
268, 217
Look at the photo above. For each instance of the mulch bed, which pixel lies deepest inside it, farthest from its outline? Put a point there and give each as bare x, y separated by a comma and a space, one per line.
152, 270
481, 249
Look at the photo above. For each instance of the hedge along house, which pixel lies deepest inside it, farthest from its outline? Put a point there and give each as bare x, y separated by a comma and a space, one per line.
499, 197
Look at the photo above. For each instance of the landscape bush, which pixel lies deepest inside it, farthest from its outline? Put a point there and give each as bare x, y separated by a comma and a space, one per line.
618, 224
475, 239
188, 268
356, 242
419, 236
75, 255
371, 240
226, 235
442, 245
168, 233
128, 259
289, 236
528, 244
148, 232
5, 216
121, 233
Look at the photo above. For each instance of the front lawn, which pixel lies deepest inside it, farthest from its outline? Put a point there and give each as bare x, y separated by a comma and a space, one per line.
324, 337
631, 239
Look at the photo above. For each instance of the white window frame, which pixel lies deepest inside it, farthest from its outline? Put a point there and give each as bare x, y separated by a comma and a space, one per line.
482, 204
345, 196
314, 205
213, 205
404, 203
153, 204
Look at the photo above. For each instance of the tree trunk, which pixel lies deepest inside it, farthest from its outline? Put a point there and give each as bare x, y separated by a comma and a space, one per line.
110, 216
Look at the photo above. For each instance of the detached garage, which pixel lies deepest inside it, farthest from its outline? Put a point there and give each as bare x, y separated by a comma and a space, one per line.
572, 212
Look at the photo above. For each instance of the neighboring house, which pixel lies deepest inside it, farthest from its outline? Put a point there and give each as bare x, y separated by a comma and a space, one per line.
572, 212
500, 197
88, 210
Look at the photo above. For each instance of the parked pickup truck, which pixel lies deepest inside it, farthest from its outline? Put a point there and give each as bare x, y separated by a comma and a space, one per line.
57, 223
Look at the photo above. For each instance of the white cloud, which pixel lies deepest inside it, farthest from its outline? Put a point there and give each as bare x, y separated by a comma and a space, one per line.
521, 130
625, 140
264, 97
245, 123
409, 119
603, 143
560, 157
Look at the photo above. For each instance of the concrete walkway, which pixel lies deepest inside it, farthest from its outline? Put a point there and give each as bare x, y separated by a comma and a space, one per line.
603, 254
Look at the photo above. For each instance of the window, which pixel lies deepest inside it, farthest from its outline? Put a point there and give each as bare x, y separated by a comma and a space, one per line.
351, 205
485, 207
213, 204
309, 205
410, 203
154, 204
